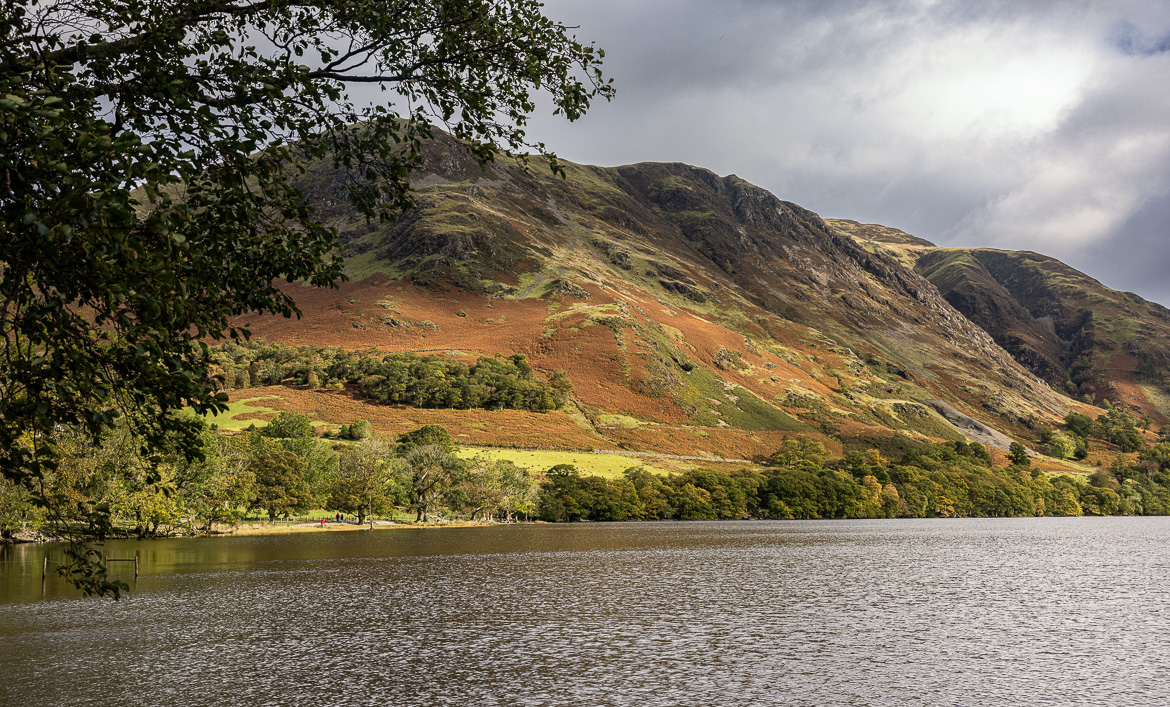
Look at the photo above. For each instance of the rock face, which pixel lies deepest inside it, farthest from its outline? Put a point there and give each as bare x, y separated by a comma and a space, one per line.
1117, 345
721, 308
966, 284
1083, 338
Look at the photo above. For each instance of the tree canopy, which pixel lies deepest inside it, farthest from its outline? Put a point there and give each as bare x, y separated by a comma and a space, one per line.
289, 424
146, 150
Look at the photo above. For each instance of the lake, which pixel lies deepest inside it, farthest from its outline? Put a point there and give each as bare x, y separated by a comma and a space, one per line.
890, 612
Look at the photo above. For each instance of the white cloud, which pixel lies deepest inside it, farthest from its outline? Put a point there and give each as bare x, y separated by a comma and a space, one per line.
1087, 179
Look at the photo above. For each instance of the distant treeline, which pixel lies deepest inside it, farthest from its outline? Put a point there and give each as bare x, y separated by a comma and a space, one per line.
428, 381
937, 480
284, 469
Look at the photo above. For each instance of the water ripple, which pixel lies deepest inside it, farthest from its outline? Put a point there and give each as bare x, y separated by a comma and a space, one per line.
1044, 611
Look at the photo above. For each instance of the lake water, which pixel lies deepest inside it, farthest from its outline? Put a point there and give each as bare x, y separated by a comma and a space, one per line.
927, 612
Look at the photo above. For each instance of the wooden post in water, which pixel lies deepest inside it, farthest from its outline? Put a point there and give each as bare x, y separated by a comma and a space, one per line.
124, 559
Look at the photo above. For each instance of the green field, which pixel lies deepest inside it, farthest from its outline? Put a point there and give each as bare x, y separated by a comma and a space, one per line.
227, 420
607, 465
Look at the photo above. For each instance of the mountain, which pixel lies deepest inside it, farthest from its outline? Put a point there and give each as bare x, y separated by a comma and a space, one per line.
1079, 335
693, 313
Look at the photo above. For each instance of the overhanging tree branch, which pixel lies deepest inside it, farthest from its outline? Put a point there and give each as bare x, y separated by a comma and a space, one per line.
147, 149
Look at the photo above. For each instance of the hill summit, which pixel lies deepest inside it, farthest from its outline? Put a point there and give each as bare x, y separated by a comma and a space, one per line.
699, 314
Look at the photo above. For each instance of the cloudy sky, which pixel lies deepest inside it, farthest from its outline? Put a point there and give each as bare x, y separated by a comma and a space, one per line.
1023, 125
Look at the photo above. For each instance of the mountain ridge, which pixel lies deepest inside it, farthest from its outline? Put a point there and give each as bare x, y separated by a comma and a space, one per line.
679, 299
1067, 327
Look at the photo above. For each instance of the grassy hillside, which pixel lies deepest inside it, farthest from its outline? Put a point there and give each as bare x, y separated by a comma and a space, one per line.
707, 316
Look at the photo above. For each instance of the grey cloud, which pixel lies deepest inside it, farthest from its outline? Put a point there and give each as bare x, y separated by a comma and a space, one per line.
1038, 125
1133, 41
1137, 260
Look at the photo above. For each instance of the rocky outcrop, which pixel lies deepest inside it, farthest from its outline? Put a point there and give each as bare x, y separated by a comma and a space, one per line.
967, 286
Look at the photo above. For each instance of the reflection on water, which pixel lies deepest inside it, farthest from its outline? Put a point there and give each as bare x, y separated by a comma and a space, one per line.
1056, 611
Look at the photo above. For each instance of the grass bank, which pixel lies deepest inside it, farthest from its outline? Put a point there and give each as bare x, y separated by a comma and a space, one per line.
264, 528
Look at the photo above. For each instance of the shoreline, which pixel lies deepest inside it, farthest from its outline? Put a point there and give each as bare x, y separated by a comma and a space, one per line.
264, 528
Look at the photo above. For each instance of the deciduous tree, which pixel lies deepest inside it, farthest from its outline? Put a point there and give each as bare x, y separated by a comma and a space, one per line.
424, 436
1018, 454
280, 484
146, 150
426, 472
364, 483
